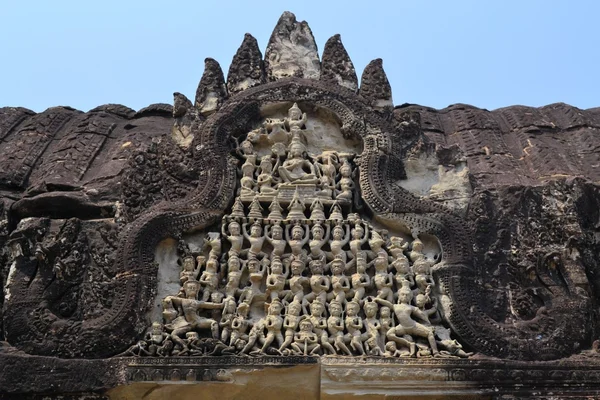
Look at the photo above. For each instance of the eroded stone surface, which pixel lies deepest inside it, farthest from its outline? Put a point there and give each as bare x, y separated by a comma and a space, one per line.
100, 211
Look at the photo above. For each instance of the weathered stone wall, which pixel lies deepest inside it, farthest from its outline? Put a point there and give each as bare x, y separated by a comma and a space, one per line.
91, 195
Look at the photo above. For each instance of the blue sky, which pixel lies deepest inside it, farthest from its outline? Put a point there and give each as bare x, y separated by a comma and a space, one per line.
490, 54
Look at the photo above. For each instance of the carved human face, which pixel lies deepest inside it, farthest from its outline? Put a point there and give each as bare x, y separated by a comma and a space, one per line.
358, 232
247, 182
234, 228
276, 268
391, 346
385, 312
338, 233
229, 306
247, 147
275, 308
404, 296
212, 263
352, 309
396, 241
233, 264
361, 265
255, 231
157, 328
277, 232
370, 310
191, 290
345, 171
297, 232
337, 267
316, 308
297, 267
296, 151
265, 165
188, 264
253, 265
306, 326
417, 245
316, 267
421, 300
401, 266
335, 309
317, 232
294, 308
294, 114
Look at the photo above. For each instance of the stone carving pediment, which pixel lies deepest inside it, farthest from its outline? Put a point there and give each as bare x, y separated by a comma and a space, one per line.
290, 217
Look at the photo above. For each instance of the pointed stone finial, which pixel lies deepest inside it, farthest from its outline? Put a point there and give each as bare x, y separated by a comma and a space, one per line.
181, 105
296, 208
337, 66
211, 92
375, 87
317, 211
292, 50
246, 69
336, 213
255, 209
275, 210
237, 211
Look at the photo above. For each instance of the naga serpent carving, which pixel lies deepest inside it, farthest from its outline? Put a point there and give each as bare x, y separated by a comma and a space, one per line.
36, 330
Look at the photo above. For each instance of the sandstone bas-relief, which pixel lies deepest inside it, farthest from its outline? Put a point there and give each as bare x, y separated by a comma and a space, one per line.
294, 270
287, 214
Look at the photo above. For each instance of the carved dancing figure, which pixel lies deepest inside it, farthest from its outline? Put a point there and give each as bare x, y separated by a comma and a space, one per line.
397, 247
235, 237
319, 284
274, 236
386, 318
416, 252
403, 271
346, 184
297, 239
290, 323
354, 326
423, 278
189, 270
229, 308
191, 321
383, 279
406, 324
210, 278
317, 310
335, 327
296, 118
256, 271
276, 278
265, 181
359, 237
234, 275
273, 324
339, 281
421, 301
297, 281
373, 328
306, 341
212, 241
360, 279
338, 241
256, 238
239, 327
319, 238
